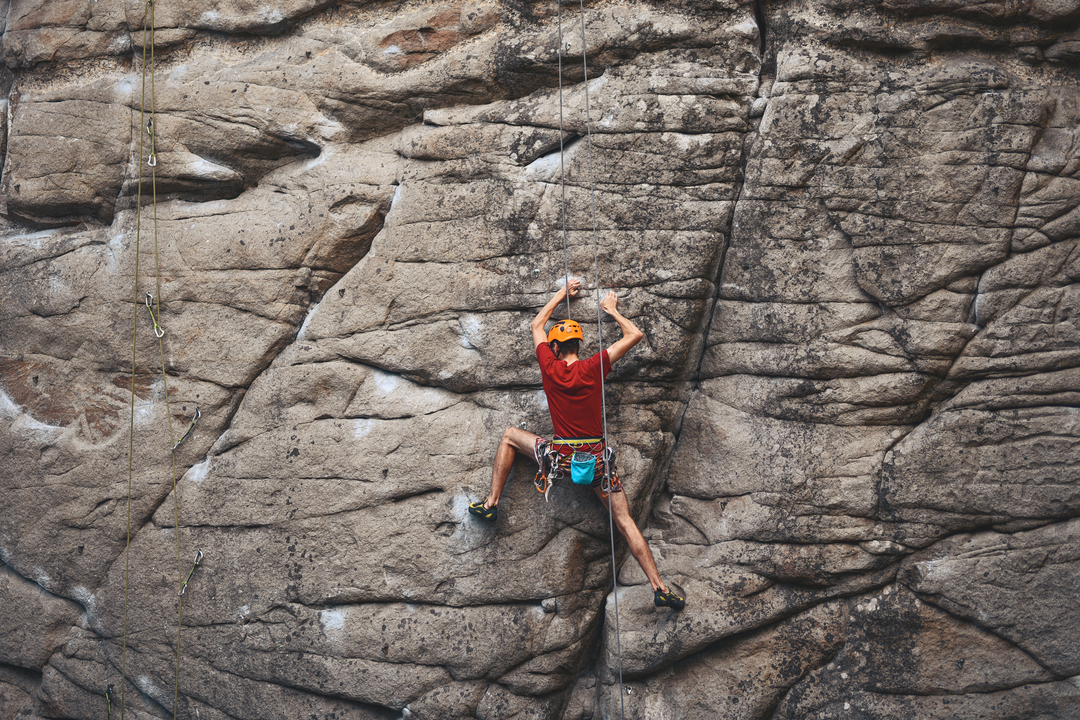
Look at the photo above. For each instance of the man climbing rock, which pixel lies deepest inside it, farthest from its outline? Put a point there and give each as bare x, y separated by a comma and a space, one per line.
573, 388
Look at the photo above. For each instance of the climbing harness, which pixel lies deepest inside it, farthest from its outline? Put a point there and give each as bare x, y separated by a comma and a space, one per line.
198, 414
555, 465
198, 559
608, 459
158, 332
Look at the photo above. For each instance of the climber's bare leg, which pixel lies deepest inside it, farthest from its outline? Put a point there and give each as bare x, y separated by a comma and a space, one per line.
514, 440
639, 547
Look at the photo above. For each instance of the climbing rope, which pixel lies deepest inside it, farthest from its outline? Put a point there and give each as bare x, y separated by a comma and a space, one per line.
131, 422
173, 444
607, 454
562, 170
153, 305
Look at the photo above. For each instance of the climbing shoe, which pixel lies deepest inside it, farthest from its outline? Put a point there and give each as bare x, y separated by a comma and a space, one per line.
489, 514
668, 599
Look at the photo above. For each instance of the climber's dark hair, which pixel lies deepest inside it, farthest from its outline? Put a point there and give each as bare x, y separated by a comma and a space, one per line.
571, 346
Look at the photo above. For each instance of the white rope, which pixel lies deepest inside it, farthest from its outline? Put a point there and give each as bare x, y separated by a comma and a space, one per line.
562, 170
599, 309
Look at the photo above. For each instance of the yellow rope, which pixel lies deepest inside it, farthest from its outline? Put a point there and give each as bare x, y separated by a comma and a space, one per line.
161, 352
148, 44
134, 346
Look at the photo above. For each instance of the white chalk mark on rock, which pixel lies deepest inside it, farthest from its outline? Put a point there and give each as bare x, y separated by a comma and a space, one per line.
198, 472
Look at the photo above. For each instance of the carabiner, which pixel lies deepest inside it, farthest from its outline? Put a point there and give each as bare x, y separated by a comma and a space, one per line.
158, 332
198, 559
198, 414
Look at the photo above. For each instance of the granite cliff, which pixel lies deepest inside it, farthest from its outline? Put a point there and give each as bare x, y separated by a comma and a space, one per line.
849, 231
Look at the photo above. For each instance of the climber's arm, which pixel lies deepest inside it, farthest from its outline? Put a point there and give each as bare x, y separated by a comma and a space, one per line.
541, 319
631, 335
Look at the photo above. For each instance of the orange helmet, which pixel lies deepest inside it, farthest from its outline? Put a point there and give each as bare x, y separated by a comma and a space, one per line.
565, 330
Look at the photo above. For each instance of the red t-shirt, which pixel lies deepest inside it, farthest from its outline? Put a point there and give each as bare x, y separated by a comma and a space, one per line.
573, 393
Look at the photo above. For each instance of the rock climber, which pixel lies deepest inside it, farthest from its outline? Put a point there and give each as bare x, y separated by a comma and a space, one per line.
573, 389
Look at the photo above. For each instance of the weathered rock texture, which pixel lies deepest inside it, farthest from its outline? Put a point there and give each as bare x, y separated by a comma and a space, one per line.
849, 231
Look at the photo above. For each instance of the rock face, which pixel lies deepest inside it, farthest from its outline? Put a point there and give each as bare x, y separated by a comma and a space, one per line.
849, 231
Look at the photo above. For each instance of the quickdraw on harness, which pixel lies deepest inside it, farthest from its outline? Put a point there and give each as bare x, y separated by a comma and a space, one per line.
548, 472
579, 465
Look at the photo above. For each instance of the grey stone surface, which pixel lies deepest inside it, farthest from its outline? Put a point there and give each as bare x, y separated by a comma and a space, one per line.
988, 579
847, 229
742, 677
17, 685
